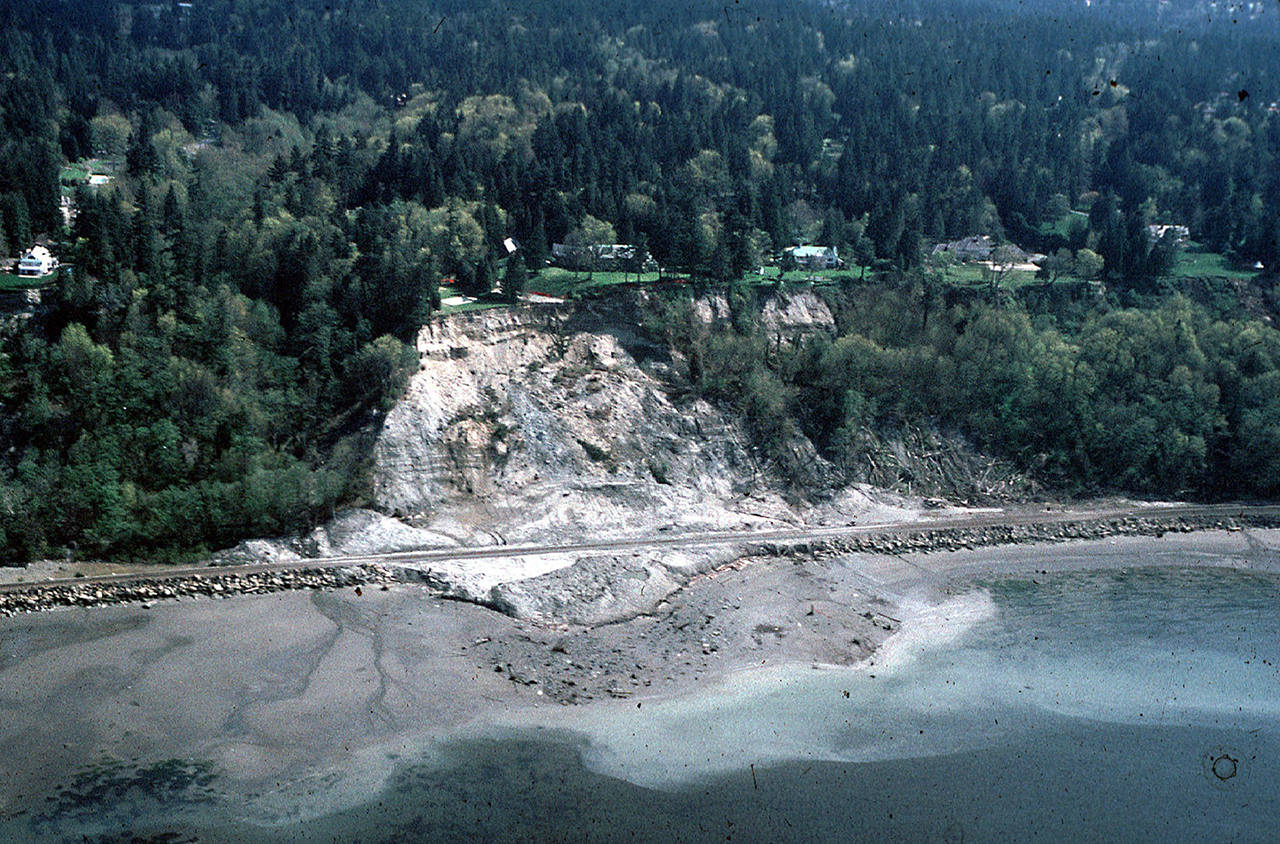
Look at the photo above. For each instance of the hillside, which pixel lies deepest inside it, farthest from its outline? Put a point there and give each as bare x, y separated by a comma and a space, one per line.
550, 423
259, 203
546, 423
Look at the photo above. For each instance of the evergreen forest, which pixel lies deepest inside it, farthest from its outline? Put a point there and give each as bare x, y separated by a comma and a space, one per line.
290, 183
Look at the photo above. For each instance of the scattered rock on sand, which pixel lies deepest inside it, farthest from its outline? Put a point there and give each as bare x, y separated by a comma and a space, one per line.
603, 589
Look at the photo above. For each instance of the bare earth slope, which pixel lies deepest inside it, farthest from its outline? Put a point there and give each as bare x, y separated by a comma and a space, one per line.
550, 423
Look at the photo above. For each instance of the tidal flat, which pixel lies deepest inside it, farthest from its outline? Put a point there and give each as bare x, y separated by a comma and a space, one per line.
1039, 688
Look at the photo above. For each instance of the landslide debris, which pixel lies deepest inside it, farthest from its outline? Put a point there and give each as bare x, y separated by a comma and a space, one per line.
555, 422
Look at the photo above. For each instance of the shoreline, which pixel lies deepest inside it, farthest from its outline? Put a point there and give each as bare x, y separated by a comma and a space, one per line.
285, 689
148, 584
1255, 549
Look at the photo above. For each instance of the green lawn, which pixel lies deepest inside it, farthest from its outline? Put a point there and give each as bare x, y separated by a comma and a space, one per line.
9, 281
470, 306
972, 275
560, 282
1194, 262
772, 275
74, 173
555, 281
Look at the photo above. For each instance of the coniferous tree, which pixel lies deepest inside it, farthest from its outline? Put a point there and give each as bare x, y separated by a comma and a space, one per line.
515, 278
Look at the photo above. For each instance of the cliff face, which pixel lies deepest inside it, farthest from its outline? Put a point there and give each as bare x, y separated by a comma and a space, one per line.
781, 313
567, 423
559, 422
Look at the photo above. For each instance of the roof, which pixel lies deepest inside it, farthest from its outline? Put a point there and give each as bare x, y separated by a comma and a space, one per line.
810, 251
971, 244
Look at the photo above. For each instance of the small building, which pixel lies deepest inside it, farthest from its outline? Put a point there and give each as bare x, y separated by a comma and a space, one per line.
600, 256
815, 257
1180, 234
37, 262
973, 248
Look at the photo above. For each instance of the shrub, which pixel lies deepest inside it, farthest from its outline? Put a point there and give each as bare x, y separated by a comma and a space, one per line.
379, 372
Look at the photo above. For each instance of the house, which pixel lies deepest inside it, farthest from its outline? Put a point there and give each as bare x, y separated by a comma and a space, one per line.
184, 8
973, 248
815, 257
37, 262
614, 251
983, 247
598, 256
1180, 234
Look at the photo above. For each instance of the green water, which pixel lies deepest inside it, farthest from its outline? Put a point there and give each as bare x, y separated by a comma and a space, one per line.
1099, 706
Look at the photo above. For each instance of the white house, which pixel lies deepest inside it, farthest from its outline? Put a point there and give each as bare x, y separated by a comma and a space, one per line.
1180, 234
815, 257
36, 263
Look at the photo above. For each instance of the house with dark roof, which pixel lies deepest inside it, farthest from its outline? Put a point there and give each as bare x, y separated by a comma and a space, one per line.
973, 248
598, 256
1180, 234
981, 247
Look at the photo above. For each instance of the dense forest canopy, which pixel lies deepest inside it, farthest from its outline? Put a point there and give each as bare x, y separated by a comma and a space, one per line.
291, 180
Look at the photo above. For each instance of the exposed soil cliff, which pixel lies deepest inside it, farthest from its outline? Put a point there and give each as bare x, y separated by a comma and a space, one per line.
566, 423
548, 423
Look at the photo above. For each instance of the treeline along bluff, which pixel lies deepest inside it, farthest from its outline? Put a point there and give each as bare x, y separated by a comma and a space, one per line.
1046, 240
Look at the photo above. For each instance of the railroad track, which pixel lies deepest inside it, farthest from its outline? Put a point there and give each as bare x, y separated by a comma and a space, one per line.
1192, 512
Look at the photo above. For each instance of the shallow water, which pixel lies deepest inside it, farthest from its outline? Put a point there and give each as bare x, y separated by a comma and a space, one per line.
1137, 705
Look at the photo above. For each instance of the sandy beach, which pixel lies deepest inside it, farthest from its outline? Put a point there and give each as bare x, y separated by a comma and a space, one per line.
319, 692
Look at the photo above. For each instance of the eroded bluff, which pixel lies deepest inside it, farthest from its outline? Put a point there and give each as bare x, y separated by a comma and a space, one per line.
558, 422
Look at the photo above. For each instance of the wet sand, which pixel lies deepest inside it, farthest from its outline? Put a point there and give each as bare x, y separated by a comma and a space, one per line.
1256, 549
294, 699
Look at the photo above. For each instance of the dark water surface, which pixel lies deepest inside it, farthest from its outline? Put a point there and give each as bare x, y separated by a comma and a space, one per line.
1139, 705
1076, 781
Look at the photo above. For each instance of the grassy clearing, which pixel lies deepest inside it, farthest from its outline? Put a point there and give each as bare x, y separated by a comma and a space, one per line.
10, 281
555, 281
561, 282
74, 173
1197, 263
972, 275
772, 275
471, 306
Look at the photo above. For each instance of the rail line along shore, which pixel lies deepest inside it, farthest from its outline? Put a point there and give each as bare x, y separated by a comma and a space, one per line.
379, 570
